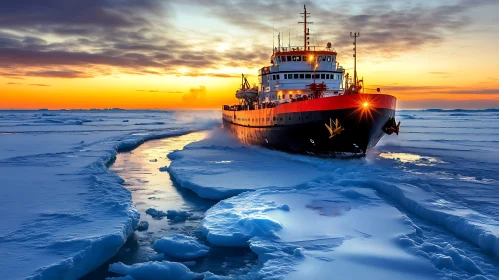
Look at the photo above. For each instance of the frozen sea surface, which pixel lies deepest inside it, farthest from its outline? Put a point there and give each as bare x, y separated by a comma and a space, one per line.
64, 213
421, 205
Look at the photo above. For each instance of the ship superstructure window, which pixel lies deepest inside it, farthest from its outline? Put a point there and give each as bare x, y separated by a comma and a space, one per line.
328, 58
302, 76
295, 76
308, 76
296, 58
289, 58
323, 76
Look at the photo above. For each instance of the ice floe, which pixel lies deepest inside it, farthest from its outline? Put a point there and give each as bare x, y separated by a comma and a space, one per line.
68, 214
164, 270
181, 247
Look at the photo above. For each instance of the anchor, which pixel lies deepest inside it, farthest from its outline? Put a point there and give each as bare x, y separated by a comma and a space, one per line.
392, 126
334, 128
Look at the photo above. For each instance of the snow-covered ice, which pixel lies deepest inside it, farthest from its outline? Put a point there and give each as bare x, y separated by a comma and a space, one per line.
64, 213
401, 213
220, 167
181, 247
164, 270
421, 205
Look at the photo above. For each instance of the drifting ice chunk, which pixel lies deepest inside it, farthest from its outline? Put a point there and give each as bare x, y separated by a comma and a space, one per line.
230, 226
181, 247
156, 214
142, 226
154, 271
177, 216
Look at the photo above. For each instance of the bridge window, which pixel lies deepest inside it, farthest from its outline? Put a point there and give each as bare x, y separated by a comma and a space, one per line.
304, 58
323, 76
289, 58
296, 58
327, 76
328, 58
317, 76
302, 76
324, 58
283, 58
308, 76
295, 76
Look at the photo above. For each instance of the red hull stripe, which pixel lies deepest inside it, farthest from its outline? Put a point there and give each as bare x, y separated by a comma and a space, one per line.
381, 101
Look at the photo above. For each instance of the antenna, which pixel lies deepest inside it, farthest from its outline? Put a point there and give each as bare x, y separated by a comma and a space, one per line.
289, 37
279, 42
354, 36
305, 29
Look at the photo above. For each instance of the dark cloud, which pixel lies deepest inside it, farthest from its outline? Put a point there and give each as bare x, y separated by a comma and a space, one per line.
195, 95
58, 74
387, 27
136, 36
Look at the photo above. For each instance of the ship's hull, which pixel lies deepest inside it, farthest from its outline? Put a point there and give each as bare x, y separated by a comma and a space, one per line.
310, 127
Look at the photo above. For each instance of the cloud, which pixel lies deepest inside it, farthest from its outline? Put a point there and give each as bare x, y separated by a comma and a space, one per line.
440, 73
58, 74
39, 85
14, 83
195, 95
387, 28
435, 90
159, 91
95, 38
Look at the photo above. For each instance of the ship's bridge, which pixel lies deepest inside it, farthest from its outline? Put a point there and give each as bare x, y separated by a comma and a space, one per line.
294, 68
324, 60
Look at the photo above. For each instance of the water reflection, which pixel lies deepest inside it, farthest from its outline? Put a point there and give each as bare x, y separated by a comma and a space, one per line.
152, 188
412, 158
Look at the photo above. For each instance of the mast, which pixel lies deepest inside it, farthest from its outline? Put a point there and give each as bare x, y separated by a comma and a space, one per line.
354, 36
305, 29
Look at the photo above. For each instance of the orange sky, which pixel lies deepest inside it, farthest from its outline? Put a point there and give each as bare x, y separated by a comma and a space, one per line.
153, 55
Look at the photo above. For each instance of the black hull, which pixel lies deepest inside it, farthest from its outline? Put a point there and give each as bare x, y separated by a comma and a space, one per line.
306, 132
